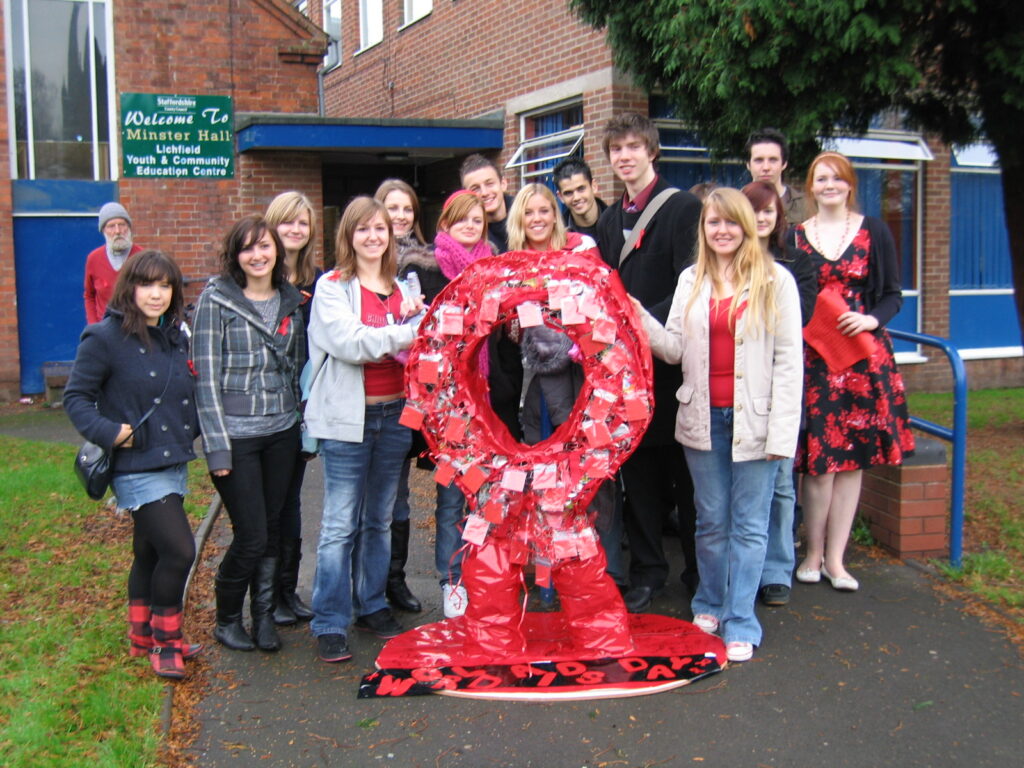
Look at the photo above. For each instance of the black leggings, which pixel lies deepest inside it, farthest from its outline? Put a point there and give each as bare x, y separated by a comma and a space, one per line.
254, 493
164, 550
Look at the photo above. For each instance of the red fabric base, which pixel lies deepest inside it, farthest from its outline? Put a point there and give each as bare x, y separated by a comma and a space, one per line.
446, 643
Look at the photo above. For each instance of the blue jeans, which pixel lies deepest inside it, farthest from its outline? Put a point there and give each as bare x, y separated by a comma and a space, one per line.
780, 558
733, 501
448, 515
360, 484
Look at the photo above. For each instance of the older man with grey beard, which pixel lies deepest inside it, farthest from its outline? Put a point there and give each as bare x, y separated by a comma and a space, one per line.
103, 264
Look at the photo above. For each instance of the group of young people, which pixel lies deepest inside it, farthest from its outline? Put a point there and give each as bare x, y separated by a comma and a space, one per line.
286, 362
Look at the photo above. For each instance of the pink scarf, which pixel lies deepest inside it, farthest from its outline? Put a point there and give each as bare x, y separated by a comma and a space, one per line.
452, 257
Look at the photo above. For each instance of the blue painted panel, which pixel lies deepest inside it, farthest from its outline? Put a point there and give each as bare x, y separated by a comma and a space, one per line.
979, 247
906, 320
61, 196
983, 321
685, 175
310, 136
49, 262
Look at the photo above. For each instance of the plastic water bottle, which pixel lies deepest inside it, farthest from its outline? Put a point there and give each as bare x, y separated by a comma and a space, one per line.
412, 280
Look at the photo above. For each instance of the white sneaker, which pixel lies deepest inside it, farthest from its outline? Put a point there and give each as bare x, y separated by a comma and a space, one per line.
737, 651
706, 622
454, 599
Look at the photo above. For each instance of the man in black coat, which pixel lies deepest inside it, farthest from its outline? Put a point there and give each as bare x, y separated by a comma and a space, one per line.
655, 477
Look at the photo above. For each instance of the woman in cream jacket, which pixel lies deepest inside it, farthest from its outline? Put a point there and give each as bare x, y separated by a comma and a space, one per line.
735, 328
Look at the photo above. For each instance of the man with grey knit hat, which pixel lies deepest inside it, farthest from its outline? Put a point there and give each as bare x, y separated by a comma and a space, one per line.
103, 264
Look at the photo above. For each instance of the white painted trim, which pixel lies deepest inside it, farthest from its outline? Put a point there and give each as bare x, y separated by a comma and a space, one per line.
12, 139
113, 113
566, 90
909, 358
991, 353
981, 291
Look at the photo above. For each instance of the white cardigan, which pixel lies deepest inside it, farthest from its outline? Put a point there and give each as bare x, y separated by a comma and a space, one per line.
339, 345
768, 381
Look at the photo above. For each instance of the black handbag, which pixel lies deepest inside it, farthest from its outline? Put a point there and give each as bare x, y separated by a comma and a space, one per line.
92, 464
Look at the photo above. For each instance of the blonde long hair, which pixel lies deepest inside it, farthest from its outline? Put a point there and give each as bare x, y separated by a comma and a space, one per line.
517, 232
286, 207
754, 270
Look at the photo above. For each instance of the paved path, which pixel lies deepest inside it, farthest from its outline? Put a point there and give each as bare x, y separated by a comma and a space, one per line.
889, 676
892, 675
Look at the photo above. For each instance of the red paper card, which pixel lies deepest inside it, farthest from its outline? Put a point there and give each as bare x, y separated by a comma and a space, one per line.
564, 548
598, 407
636, 409
556, 292
455, 430
444, 474
542, 575
473, 478
597, 434
513, 480
589, 307
489, 308
589, 346
614, 359
587, 545
411, 418
475, 530
519, 551
428, 371
571, 314
494, 512
545, 476
451, 321
604, 330
529, 314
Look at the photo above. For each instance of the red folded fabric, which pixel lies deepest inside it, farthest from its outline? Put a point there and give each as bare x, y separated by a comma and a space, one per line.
839, 351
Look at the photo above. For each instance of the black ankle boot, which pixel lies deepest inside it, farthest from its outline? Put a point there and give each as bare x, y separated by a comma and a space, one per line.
397, 591
229, 630
290, 608
261, 605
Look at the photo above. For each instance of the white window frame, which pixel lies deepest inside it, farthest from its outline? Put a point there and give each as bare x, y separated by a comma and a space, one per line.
570, 137
371, 24
414, 10
333, 56
112, 118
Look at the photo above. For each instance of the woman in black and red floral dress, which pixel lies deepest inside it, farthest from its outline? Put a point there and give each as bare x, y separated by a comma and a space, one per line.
856, 418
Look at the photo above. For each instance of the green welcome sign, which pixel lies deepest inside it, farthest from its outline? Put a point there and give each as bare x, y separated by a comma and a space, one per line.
177, 137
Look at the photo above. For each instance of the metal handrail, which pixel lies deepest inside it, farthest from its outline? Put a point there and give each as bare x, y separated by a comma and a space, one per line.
957, 436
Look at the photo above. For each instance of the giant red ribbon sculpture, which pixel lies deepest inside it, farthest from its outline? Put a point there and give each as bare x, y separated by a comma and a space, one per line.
529, 503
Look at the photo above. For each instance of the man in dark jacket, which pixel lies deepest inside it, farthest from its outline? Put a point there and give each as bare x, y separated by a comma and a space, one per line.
655, 477
577, 190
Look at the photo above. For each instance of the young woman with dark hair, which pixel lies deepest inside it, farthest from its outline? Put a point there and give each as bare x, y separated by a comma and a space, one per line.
134, 358
780, 558
248, 349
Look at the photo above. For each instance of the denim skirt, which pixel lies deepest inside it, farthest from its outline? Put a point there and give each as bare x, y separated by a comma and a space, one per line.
134, 489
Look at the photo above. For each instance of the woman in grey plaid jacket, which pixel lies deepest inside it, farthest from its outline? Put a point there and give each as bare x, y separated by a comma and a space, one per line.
248, 349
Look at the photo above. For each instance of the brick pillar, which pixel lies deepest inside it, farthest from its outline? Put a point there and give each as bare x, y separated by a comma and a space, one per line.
907, 507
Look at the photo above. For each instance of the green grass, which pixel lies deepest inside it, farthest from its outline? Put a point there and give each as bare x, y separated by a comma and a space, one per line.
69, 693
993, 561
986, 408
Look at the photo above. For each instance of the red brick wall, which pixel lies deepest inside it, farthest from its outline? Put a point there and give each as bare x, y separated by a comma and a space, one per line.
9, 370
258, 52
